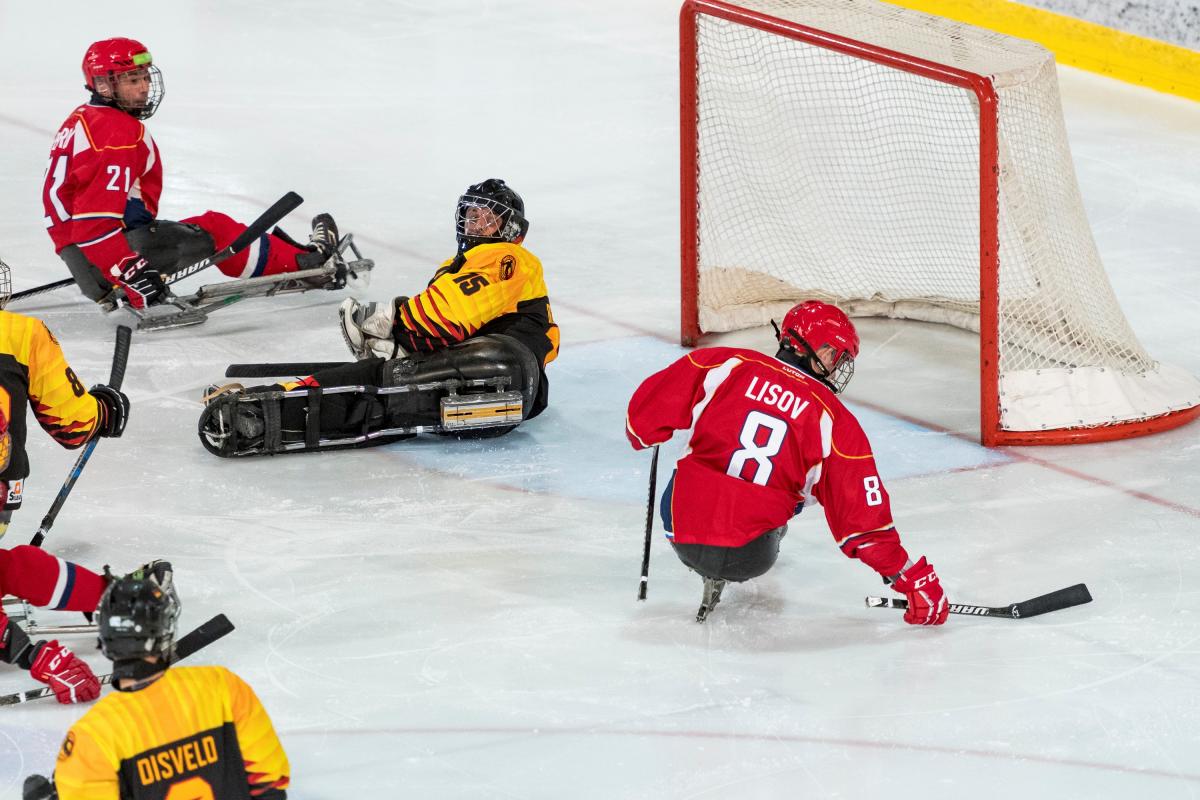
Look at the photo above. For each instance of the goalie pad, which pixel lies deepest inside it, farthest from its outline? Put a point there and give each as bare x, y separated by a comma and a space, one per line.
480, 388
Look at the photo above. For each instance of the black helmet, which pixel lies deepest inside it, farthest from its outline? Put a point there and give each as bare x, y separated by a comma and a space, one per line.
137, 614
506, 205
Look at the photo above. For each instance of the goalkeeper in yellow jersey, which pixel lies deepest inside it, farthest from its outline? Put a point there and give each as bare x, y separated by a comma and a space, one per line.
466, 356
167, 732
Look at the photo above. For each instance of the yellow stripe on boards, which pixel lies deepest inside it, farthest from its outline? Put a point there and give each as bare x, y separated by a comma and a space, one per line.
1134, 59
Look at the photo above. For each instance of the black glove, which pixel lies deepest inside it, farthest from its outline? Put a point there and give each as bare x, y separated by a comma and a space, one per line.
38, 787
116, 409
143, 284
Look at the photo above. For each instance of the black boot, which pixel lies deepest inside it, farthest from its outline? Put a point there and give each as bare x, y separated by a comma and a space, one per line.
322, 243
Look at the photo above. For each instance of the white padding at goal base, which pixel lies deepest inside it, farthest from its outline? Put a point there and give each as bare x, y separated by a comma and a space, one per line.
1049, 399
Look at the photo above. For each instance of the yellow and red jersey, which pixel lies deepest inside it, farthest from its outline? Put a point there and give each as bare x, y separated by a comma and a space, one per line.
34, 372
491, 288
196, 733
100, 160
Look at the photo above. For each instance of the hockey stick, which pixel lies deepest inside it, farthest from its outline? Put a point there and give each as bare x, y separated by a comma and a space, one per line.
282, 207
285, 368
34, 630
201, 637
115, 379
45, 287
272, 216
1075, 595
649, 526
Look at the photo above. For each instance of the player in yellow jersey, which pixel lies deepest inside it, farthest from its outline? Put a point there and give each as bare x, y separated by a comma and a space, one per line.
484, 318
34, 373
167, 733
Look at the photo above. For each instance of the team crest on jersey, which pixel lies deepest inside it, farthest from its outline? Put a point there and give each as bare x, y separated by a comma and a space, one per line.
68, 746
508, 265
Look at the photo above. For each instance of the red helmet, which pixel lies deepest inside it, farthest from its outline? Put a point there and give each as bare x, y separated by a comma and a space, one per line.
811, 325
110, 57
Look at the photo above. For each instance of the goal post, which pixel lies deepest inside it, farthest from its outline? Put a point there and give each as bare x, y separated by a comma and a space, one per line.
903, 165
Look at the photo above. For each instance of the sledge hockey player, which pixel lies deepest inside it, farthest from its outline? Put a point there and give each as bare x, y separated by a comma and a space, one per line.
32, 574
197, 732
34, 373
769, 436
102, 189
476, 341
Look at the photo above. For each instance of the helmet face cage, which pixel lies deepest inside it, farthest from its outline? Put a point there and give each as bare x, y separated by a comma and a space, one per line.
5, 283
813, 325
489, 200
137, 617
154, 97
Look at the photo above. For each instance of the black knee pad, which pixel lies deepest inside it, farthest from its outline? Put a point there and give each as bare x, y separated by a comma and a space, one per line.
170, 246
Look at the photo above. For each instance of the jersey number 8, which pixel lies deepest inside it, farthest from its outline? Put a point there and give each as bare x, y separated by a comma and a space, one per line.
760, 454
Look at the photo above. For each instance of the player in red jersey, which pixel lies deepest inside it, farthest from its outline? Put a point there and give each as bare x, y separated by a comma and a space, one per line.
44, 580
768, 436
103, 184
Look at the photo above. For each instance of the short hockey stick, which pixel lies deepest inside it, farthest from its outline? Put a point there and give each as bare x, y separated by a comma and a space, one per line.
34, 630
201, 637
267, 220
116, 378
649, 526
283, 368
1055, 601
45, 287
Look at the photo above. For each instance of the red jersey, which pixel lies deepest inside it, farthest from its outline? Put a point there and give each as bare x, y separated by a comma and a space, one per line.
101, 159
763, 439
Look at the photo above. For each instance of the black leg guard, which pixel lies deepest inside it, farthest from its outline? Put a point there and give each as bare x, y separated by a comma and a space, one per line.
168, 246
171, 246
481, 388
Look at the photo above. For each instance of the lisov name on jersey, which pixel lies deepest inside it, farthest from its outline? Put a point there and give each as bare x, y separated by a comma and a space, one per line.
773, 394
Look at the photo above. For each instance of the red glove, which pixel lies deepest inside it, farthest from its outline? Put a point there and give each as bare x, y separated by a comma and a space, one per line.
71, 679
926, 601
142, 283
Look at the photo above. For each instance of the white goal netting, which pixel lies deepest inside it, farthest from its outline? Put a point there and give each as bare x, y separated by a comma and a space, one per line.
828, 175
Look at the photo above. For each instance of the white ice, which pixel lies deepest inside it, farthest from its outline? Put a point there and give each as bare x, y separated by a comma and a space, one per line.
444, 620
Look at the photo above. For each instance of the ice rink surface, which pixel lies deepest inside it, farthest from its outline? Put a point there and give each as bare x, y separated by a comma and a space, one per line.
458, 620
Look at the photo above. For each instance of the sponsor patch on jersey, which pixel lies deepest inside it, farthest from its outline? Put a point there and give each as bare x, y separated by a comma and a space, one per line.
508, 265
16, 491
68, 746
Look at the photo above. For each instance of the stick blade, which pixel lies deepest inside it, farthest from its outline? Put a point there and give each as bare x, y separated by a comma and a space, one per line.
202, 636
1075, 595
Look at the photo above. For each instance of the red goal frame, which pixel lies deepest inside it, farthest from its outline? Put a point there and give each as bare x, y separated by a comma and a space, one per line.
991, 434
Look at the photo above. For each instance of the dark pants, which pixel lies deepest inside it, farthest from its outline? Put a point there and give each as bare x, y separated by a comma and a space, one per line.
735, 564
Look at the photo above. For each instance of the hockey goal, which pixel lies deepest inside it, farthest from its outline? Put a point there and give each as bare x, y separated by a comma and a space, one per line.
904, 165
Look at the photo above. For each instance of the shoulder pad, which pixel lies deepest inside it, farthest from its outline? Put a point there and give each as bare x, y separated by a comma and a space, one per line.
108, 127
